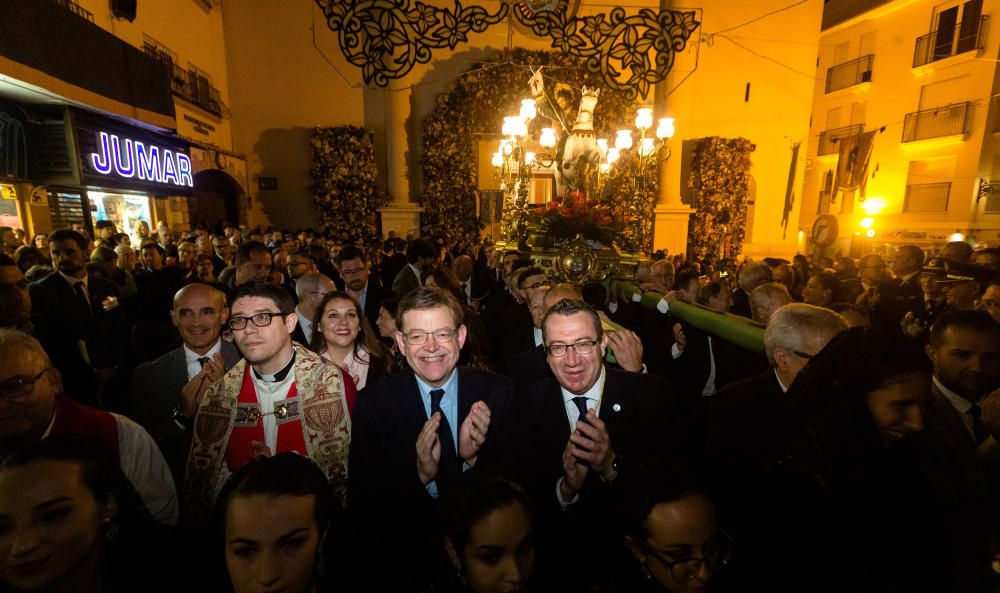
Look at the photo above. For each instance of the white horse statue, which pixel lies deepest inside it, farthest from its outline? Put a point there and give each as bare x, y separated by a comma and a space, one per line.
579, 155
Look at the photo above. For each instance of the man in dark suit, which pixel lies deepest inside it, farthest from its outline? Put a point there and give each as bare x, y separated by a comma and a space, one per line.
393, 260
583, 427
750, 420
522, 353
77, 320
310, 290
359, 282
414, 433
420, 253
164, 393
965, 350
907, 295
751, 276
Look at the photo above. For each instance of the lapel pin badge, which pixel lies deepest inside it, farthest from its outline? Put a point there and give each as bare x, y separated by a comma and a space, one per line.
617, 407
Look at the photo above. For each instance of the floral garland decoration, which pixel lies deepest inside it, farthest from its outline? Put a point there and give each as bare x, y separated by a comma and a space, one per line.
343, 182
720, 172
474, 108
632, 202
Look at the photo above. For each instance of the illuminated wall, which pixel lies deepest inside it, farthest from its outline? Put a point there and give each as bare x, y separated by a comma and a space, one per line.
929, 83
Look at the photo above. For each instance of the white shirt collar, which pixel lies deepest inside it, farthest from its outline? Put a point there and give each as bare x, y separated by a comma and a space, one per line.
190, 356
907, 277
302, 318
416, 272
784, 388
957, 401
72, 281
594, 393
537, 333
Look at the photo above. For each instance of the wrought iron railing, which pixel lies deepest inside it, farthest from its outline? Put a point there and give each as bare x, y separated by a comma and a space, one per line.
944, 43
947, 120
927, 197
76, 9
189, 84
850, 73
829, 140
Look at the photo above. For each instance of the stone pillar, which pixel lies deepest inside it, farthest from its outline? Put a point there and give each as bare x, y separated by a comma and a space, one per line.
402, 215
670, 215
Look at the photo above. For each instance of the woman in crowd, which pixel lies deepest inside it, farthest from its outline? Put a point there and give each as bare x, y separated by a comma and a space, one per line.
41, 241
821, 290
274, 516
29, 256
800, 264
850, 492
489, 537
70, 522
386, 324
672, 539
475, 352
344, 337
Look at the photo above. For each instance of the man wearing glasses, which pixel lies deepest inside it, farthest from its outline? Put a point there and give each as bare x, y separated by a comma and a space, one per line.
416, 432
587, 424
358, 282
33, 407
280, 398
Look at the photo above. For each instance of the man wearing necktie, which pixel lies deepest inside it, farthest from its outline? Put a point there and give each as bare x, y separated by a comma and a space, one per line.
415, 433
77, 320
583, 427
164, 393
959, 457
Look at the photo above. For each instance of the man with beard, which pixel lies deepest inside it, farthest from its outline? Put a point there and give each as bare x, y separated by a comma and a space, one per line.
76, 318
965, 349
15, 302
358, 281
420, 253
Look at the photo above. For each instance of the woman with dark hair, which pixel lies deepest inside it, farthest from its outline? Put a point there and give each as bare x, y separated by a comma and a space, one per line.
41, 241
821, 290
69, 521
274, 517
489, 536
672, 539
850, 493
345, 338
475, 352
386, 324
28, 256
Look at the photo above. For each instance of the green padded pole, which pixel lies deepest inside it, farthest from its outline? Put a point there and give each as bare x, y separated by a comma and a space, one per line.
739, 330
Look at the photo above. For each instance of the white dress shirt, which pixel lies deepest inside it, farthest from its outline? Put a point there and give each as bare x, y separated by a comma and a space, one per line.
191, 358
307, 326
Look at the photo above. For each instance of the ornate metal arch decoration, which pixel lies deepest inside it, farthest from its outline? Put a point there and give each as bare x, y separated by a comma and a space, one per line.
387, 38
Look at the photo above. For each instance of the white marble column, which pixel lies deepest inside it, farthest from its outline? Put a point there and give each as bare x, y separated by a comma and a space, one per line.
403, 215
670, 215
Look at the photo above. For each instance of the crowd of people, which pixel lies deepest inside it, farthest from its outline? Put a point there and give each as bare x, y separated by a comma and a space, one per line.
263, 411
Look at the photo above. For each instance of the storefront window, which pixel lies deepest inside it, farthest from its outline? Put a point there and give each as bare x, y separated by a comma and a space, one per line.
8, 207
122, 209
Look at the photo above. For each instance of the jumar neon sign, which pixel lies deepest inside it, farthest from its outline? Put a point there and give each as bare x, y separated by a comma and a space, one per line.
133, 159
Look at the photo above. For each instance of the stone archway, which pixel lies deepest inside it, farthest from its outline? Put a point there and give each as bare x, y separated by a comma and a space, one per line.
215, 200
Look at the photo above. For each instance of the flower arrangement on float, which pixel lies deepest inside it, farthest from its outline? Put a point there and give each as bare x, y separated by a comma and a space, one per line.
562, 219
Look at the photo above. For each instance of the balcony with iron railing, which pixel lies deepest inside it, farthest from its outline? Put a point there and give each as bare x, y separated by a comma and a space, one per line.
949, 120
944, 43
189, 84
829, 140
76, 9
926, 197
849, 74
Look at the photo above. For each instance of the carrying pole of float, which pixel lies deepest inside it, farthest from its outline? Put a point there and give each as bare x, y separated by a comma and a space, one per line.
741, 331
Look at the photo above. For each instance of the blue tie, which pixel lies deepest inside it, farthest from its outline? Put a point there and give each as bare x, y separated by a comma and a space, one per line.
448, 468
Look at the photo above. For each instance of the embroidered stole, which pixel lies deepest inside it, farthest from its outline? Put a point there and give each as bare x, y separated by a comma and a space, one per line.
323, 425
249, 424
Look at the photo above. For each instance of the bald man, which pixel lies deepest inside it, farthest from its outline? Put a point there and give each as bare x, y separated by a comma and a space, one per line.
165, 392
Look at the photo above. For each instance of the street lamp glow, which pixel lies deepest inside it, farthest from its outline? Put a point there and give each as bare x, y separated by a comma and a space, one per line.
548, 138
613, 155
529, 157
497, 159
647, 146
528, 110
644, 118
624, 140
665, 129
956, 236
873, 205
867, 223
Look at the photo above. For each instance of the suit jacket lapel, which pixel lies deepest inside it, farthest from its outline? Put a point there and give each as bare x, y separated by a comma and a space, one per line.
411, 406
467, 392
609, 398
